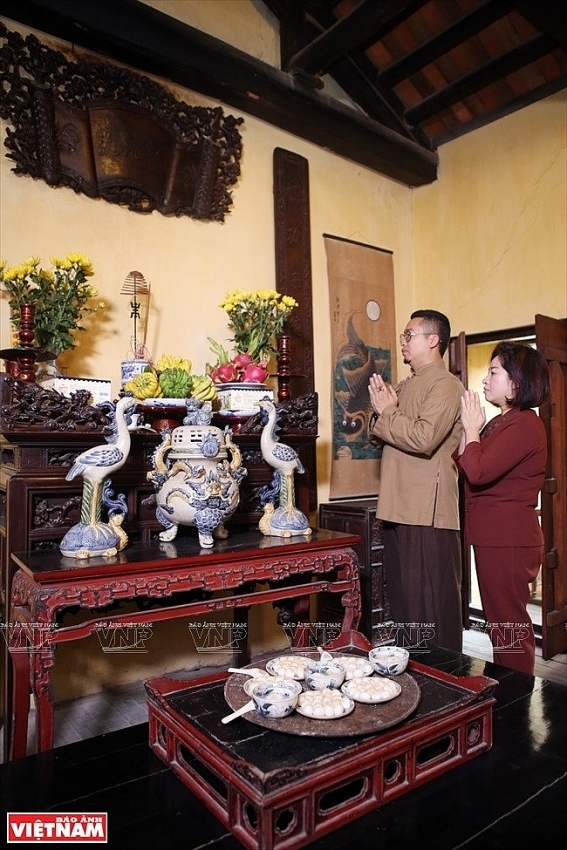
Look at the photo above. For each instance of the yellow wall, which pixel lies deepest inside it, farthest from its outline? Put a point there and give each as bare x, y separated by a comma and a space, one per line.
489, 236
243, 24
485, 244
191, 264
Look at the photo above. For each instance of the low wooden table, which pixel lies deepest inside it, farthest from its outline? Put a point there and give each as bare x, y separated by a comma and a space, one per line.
275, 790
180, 574
513, 795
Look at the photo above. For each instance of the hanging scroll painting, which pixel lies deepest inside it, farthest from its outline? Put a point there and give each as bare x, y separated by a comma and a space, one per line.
361, 298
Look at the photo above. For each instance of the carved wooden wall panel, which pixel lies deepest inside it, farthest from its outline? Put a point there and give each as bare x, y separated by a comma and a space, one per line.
107, 132
293, 261
293, 277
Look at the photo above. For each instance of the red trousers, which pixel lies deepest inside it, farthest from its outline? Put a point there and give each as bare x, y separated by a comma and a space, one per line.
504, 577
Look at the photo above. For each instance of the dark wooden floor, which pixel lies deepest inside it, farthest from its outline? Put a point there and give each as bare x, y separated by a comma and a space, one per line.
509, 797
124, 706
477, 644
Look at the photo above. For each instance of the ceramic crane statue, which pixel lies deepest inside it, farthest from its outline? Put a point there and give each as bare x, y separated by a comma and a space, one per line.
285, 520
91, 536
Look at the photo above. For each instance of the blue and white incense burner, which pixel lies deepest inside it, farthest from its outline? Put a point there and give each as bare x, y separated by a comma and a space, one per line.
196, 482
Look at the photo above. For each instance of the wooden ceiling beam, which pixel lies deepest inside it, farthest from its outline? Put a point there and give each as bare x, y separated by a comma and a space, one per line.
375, 103
488, 74
532, 96
293, 26
550, 17
150, 41
470, 24
356, 74
353, 77
365, 24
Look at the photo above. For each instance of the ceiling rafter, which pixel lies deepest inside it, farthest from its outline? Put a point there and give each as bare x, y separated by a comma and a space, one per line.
470, 24
149, 40
363, 25
477, 80
521, 102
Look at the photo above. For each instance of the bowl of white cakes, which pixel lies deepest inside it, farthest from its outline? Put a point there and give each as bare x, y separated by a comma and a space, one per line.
389, 660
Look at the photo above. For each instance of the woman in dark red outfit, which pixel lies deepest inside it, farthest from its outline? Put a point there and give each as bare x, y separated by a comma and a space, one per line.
504, 467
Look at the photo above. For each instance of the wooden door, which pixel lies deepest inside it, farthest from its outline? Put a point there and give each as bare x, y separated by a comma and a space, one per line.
551, 340
458, 366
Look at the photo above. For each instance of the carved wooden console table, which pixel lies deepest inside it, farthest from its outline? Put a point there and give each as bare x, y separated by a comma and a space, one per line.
182, 574
41, 434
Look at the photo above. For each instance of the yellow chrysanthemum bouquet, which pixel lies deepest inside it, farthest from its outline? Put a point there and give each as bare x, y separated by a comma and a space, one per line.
255, 319
61, 297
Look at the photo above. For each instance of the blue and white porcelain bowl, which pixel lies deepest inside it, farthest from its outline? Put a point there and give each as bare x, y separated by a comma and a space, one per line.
324, 674
275, 700
389, 660
271, 680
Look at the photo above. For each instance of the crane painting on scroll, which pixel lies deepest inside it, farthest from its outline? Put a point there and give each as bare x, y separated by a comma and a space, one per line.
361, 297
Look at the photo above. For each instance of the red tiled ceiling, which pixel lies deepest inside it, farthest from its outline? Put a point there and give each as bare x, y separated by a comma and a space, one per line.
490, 43
474, 50
553, 65
438, 124
487, 97
439, 14
525, 80
392, 43
344, 7
522, 26
380, 55
408, 93
417, 28
438, 75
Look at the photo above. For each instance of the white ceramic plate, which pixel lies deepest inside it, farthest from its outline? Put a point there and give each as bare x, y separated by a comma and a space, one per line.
376, 688
346, 711
163, 402
239, 413
288, 666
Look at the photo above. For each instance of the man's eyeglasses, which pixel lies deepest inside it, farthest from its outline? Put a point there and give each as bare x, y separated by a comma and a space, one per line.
407, 335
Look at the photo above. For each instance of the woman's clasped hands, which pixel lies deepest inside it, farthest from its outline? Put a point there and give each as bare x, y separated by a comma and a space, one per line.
473, 418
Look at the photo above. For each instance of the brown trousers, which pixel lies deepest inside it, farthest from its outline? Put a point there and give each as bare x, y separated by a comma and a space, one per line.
422, 569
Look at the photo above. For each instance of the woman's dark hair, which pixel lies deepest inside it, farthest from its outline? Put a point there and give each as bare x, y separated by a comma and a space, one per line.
528, 371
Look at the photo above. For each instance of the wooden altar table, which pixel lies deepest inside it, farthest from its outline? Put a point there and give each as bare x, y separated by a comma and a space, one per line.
180, 574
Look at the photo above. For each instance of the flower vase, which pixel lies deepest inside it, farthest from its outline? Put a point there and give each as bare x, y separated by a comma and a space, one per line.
48, 370
20, 360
